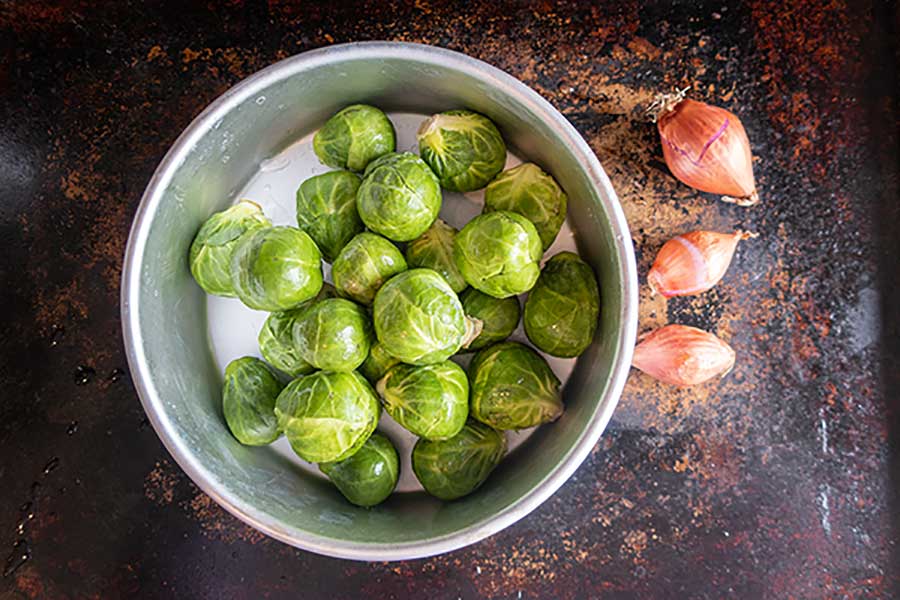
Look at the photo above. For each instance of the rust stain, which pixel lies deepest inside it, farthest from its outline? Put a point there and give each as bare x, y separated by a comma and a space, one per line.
635, 543
73, 187
218, 524
156, 52
829, 39
518, 568
188, 55
160, 483
61, 306
29, 583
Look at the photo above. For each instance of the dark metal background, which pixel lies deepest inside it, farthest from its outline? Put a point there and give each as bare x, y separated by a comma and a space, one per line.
779, 481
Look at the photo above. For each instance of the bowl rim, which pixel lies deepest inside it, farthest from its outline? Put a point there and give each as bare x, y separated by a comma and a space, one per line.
152, 402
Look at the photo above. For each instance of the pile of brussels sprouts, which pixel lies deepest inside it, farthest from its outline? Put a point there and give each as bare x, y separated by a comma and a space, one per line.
409, 293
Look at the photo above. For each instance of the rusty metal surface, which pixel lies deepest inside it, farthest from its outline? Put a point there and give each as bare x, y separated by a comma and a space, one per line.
779, 481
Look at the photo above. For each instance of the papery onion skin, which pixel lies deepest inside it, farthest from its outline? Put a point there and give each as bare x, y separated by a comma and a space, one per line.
681, 355
706, 147
693, 262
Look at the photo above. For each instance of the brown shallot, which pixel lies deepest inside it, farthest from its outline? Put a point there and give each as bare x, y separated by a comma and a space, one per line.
693, 262
706, 147
682, 355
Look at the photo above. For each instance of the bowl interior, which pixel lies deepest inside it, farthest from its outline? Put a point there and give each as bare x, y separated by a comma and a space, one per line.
165, 320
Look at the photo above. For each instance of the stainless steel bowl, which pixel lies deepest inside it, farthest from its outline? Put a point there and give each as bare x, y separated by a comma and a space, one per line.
164, 319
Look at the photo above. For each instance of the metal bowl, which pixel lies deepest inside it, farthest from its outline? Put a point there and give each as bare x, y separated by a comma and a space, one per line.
164, 311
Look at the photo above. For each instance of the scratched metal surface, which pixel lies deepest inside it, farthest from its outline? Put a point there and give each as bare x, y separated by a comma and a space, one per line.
779, 481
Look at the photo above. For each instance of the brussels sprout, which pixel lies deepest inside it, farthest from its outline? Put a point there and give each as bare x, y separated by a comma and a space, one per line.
399, 197
276, 268
378, 363
369, 476
353, 137
327, 416
276, 338
498, 253
248, 401
513, 387
326, 210
211, 251
434, 250
419, 319
463, 148
530, 192
499, 316
333, 334
432, 401
450, 469
364, 265
561, 311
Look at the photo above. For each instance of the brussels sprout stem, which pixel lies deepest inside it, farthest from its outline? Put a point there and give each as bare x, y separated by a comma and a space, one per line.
473, 330
426, 126
251, 202
382, 384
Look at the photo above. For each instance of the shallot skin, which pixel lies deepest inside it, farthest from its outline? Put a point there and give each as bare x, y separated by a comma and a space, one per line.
682, 355
706, 147
693, 262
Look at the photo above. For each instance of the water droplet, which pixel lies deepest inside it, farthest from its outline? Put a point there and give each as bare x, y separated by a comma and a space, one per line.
18, 557
115, 375
57, 332
267, 188
225, 159
72, 428
261, 100
84, 374
51, 465
276, 163
217, 124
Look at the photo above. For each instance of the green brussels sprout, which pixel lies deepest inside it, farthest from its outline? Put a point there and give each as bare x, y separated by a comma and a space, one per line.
378, 363
214, 244
399, 197
513, 387
434, 250
499, 253
432, 401
276, 268
364, 265
333, 334
248, 401
530, 192
369, 476
561, 311
326, 210
499, 316
276, 338
463, 148
419, 319
451, 469
327, 416
354, 137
